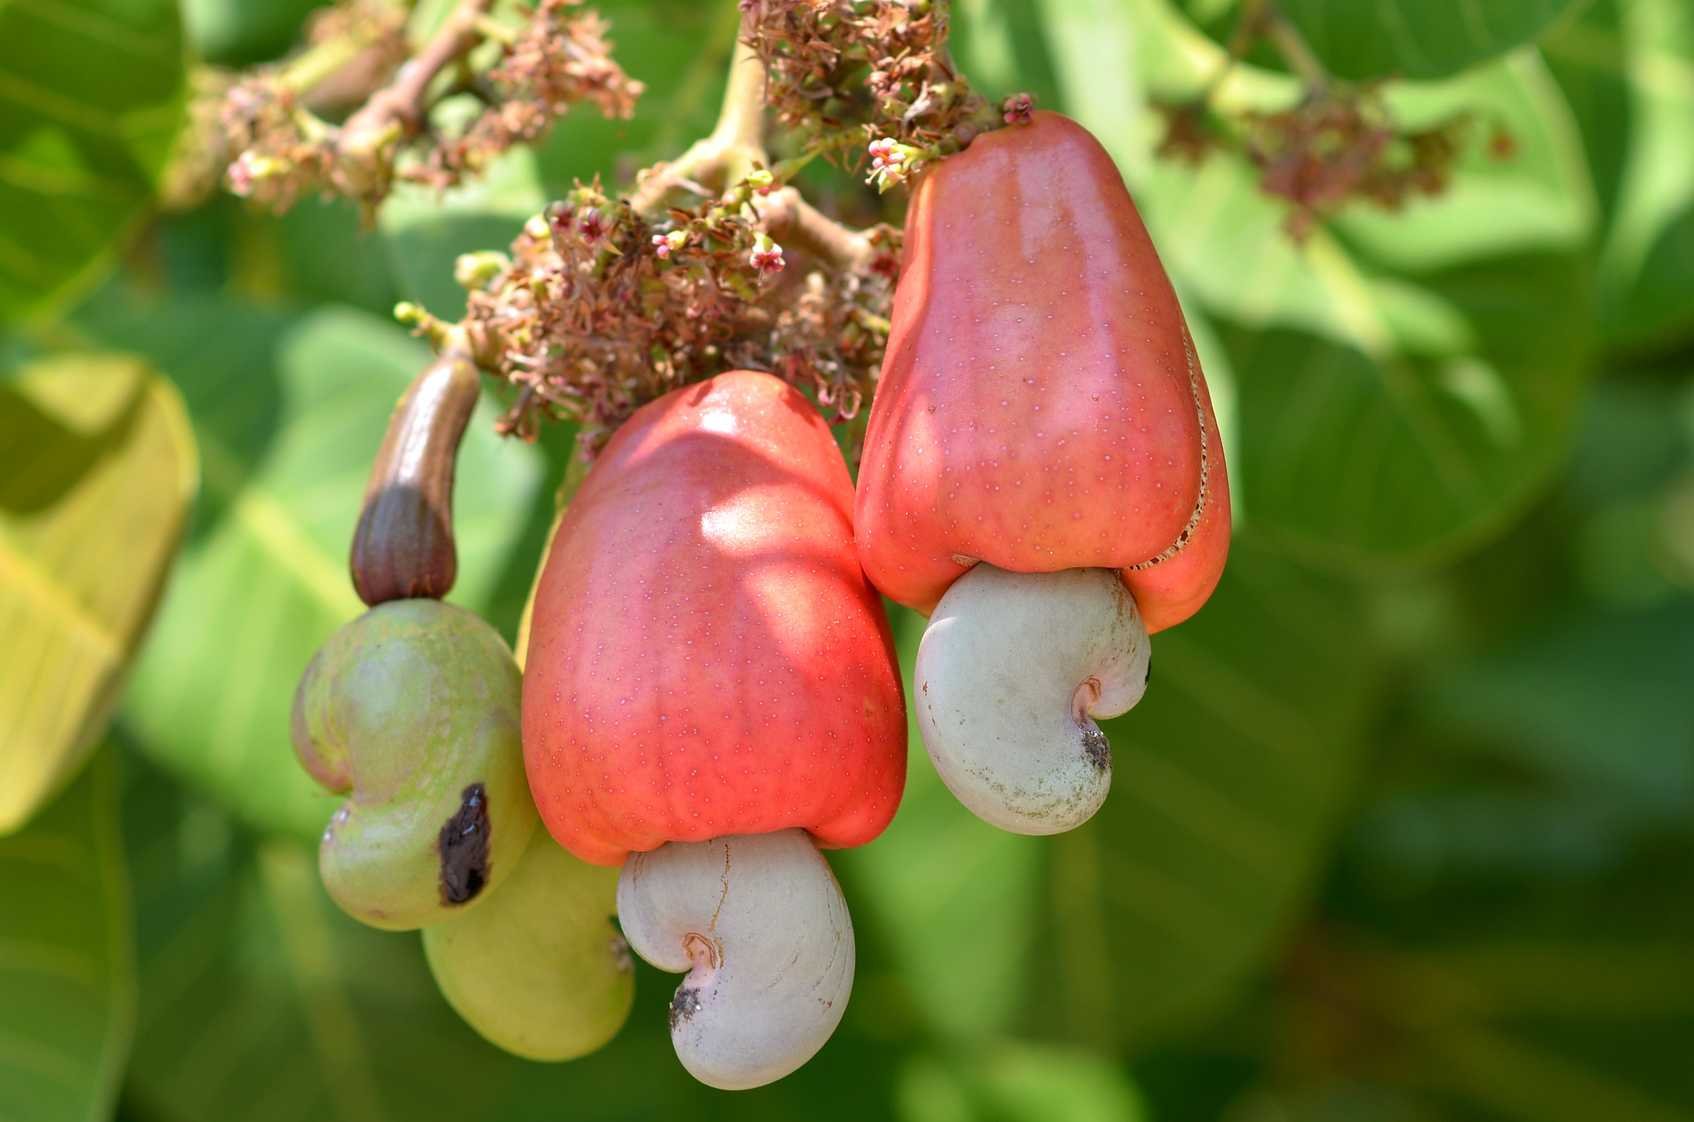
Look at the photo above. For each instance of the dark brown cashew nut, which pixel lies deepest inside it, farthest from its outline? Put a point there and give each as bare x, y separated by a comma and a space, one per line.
403, 547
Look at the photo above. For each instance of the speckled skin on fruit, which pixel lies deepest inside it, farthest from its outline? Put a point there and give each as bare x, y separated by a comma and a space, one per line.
705, 656
1041, 406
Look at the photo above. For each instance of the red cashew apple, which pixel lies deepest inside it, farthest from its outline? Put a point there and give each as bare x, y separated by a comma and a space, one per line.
1042, 472
711, 688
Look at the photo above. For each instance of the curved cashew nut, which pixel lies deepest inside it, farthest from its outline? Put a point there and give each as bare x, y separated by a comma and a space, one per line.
759, 925
1010, 672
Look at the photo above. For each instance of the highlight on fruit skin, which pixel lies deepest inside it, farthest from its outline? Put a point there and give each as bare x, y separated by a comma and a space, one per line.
709, 672
1042, 412
760, 927
539, 969
413, 711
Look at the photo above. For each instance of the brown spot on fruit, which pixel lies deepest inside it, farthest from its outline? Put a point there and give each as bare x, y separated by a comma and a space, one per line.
1096, 747
463, 845
684, 1005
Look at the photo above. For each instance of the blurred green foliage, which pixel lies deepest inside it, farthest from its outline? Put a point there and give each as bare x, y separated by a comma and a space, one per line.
1403, 831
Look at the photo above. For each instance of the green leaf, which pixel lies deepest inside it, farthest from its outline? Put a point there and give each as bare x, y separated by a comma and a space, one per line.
1018, 1082
260, 1000
67, 969
1406, 382
240, 32
289, 413
1363, 39
323, 254
1002, 46
1514, 908
1536, 700
1629, 72
91, 97
97, 468
1228, 782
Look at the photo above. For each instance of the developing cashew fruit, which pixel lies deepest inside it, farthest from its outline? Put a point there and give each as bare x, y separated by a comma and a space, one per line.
1042, 470
711, 687
539, 969
413, 710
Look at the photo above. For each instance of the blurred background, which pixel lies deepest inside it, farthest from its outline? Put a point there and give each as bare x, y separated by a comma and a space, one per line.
1403, 831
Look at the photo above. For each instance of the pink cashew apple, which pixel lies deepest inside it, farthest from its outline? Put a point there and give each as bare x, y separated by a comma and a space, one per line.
710, 695
1042, 472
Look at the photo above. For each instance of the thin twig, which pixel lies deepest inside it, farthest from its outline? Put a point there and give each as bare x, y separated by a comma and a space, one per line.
1294, 49
733, 148
795, 223
1249, 26
403, 101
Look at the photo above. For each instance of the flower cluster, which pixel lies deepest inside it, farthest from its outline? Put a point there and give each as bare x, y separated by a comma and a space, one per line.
600, 309
844, 72
892, 162
1330, 149
560, 59
279, 155
1337, 145
281, 149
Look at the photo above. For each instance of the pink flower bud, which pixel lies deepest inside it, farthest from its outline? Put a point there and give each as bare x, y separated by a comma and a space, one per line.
766, 256
1018, 109
242, 175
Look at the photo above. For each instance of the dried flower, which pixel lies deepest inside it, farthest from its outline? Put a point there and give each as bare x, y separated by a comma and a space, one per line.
1189, 136
281, 151
838, 69
1343, 144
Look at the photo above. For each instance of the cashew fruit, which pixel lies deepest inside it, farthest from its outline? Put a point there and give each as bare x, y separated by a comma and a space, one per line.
413, 711
1041, 405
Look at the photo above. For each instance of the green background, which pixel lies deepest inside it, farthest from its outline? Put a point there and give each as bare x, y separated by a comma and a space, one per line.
1403, 831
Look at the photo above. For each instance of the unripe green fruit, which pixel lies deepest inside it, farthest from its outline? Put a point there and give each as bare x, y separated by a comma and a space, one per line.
539, 970
413, 709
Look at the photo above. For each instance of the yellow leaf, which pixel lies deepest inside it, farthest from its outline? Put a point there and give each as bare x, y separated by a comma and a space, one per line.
97, 469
